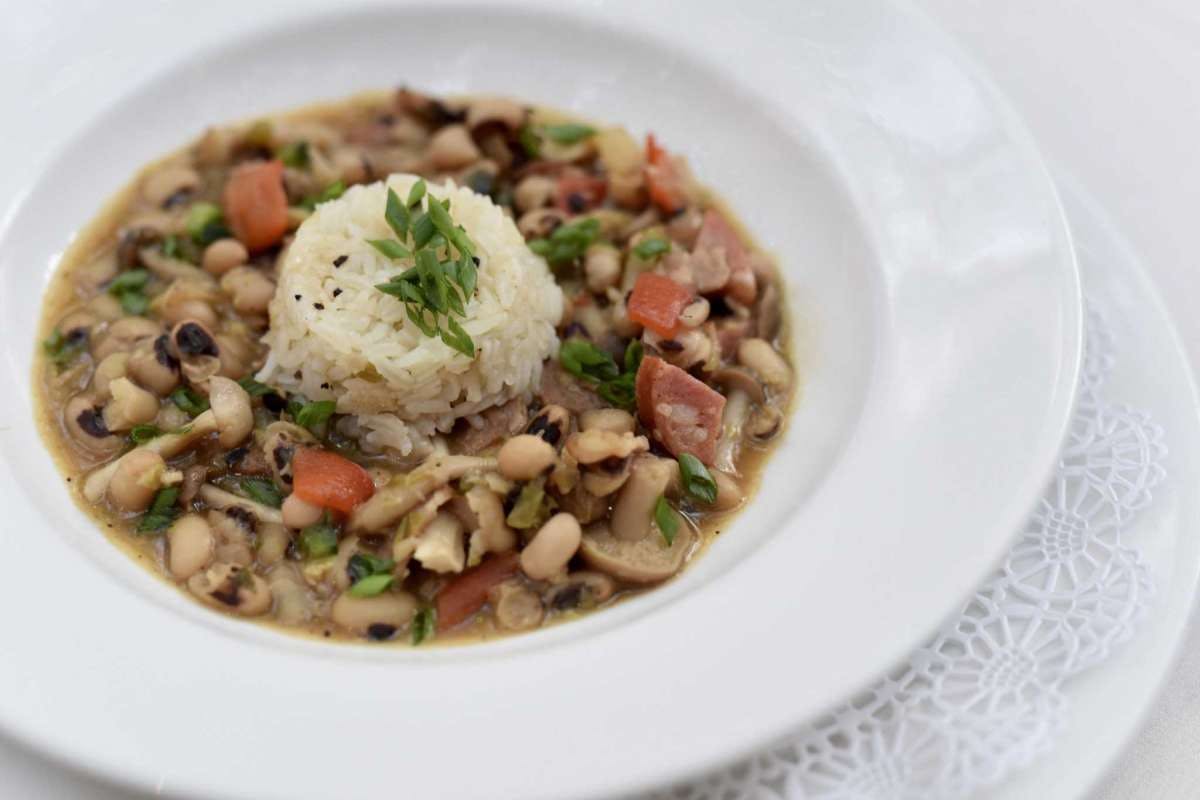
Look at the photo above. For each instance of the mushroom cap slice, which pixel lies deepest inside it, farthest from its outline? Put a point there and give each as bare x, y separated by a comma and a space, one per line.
647, 560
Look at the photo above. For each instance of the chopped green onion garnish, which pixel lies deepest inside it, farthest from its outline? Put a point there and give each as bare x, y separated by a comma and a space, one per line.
261, 490
424, 624
294, 154
652, 248
162, 511
568, 132
532, 508
362, 565
314, 414
62, 350
371, 585
140, 434
331, 192
254, 388
568, 242
189, 401
529, 141
589, 363
318, 540
697, 481
390, 248
665, 519
205, 223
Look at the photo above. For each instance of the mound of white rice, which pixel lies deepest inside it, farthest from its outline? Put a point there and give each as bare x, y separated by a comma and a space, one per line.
335, 336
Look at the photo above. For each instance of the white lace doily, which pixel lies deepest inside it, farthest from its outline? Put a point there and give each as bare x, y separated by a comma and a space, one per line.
984, 697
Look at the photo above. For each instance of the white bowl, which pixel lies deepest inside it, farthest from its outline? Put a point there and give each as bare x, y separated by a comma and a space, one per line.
938, 329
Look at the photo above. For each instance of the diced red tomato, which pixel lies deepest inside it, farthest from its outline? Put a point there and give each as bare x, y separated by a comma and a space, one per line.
256, 205
330, 481
665, 184
717, 232
466, 594
656, 302
682, 412
577, 191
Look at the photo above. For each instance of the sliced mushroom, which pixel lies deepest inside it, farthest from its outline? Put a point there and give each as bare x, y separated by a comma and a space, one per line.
392, 502
493, 534
168, 445
582, 590
733, 418
585, 506
767, 363
739, 379
169, 185
440, 546
516, 608
488, 111
136, 480
730, 493
218, 498
633, 512
233, 588
170, 269
231, 406
644, 561
764, 423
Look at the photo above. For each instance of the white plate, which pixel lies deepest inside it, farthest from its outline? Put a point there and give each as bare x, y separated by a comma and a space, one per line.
940, 338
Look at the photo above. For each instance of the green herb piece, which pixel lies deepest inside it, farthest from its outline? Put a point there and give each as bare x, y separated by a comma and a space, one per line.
254, 388
318, 540
396, 214
162, 511
390, 248
261, 490
314, 414
585, 360
697, 481
468, 275
62, 350
424, 625
129, 289
589, 363
172, 247
422, 230
568, 242
529, 141
440, 215
650, 249
205, 224
140, 434
371, 585
362, 565
456, 337
568, 132
190, 401
294, 154
665, 519
416, 193
532, 508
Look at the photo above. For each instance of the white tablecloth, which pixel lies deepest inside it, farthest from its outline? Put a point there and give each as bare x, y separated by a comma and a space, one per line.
1108, 89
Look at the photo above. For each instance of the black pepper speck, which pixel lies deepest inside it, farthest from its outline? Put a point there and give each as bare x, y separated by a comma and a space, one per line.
297, 297
336, 292
337, 262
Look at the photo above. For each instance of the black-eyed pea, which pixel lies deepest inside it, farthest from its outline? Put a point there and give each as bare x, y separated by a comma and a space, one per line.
547, 554
190, 546
299, 513
232, 588
223, 255
765, 360
250, 290
524, 457
377, 617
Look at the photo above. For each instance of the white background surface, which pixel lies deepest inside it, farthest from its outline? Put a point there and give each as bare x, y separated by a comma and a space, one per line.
1107, 88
